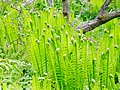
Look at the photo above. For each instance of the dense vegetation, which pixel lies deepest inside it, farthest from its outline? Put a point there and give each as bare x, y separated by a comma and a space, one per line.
40, 51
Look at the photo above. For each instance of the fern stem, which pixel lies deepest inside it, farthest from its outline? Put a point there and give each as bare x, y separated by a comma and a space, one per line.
107, 72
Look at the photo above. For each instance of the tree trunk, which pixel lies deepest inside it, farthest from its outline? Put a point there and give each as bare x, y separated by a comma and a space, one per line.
66, 9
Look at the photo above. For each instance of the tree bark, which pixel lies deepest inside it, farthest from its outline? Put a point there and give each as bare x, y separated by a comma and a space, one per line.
103, 8
100, 19
90, 25
66, 9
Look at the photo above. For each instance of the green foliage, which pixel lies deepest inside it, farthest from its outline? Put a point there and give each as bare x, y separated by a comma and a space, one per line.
15, 74
40, 51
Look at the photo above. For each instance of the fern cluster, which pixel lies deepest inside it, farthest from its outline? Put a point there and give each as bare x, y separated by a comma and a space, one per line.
60, 58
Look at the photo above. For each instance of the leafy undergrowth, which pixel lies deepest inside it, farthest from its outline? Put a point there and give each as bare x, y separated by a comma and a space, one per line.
15, 74
40, 51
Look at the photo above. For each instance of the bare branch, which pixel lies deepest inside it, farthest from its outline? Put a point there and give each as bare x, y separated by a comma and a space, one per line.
88, 26
27, 2
103, 8
100, 19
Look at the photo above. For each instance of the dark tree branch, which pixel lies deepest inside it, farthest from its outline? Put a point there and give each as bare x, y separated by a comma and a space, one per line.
90, 25
103, 8
27, 2
101, 18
